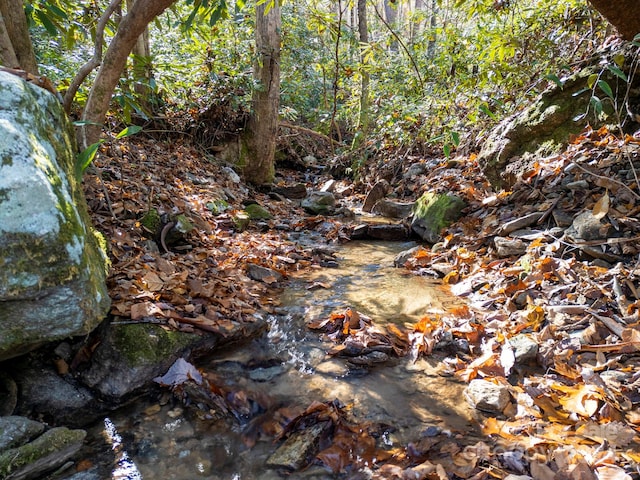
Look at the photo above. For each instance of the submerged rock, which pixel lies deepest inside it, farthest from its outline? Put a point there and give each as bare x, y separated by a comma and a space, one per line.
298, 450
52, 267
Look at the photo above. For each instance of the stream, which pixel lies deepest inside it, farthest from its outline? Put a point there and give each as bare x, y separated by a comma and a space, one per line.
162, 439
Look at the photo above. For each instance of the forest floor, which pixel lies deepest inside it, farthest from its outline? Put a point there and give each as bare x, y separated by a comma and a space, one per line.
553, 263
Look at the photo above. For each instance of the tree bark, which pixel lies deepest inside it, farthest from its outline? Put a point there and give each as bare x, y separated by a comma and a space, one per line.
262, 129
15, 22
130, 28
7, 54
363, 33
620, 14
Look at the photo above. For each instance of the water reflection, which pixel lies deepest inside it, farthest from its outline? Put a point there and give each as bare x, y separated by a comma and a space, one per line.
125, 468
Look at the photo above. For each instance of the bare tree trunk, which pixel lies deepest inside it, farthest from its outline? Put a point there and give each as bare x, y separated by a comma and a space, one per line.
7, 54
258, 156
15, 22
391, 16
142, 69
130, 28
431, 46
363, 32
621, 15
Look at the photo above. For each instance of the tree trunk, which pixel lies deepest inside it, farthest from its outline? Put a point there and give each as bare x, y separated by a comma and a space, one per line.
15, 23
391, 16
130, 28
142, 69
258, 155
363, 32
620, 14
7, 54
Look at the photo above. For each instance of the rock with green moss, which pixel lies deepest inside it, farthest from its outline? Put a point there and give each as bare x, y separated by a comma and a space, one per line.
43, 454
257, 212
433, 212
130, 355
52, 268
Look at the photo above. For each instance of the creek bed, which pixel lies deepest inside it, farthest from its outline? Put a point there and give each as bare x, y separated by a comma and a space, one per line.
160, 438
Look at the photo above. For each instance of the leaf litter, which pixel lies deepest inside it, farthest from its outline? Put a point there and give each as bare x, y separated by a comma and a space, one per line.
548, 271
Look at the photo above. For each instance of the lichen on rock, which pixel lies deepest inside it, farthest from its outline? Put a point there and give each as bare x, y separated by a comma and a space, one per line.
52, 269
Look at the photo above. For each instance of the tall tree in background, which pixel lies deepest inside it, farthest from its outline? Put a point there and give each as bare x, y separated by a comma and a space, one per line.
363, 34
16, 50
259, 140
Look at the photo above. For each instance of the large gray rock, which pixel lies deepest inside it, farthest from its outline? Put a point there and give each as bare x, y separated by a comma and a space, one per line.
52, 269
433, 212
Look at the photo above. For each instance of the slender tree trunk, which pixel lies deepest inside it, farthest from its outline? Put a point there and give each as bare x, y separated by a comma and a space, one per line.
142, 68
431, 46
15, 23
620, 14
363, 33
130, 28
391, 16
259, 141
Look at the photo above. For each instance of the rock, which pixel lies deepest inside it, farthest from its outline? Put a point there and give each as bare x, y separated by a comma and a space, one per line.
391, 209
390, 232
45, 453
8, 394
586, 227
518, 223
16, 431
329, 186
404, 256
319, 203
508, 247
414, 170
433, 212
359, 232
540, 130
298, 450
525, 348
231, 174
257, 212
241, 220
487, 396
52, 275
297, 191
377, 192
129, 356
263, 274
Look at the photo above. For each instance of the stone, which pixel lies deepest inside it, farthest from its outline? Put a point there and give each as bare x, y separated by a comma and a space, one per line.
433, 212
587, 227
8, 394
391, 232
509, 247
414, 170
392, 209
319, 203
45, 453
487, 396
538, 131
525, 348
403, 257
257, 212
263, 274
377, 192
16, 431
298, 450
297, 191
52, 263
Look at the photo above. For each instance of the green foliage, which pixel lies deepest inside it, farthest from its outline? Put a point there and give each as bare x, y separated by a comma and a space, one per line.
86, 157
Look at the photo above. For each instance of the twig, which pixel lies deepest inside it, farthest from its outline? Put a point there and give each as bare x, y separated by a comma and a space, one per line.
602, 177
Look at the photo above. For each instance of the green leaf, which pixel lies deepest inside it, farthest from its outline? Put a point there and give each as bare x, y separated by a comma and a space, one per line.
447, 150
604, 86
596, 103
47, 23
86, 157
455, 138
484, 108
555, 79
617, 72
130, 130
591, 81
619, 59
580, 92
58, 12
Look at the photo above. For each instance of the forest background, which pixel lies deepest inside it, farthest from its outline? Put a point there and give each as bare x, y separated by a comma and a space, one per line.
415, 76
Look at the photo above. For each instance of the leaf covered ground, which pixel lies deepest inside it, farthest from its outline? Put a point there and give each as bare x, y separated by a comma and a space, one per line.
547, 271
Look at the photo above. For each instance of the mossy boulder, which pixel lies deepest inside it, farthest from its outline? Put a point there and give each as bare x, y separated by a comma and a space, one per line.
432, 212
52, 267
257, 212
539, 130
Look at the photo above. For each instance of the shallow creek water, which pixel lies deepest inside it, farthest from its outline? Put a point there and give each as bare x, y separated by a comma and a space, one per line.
164, 440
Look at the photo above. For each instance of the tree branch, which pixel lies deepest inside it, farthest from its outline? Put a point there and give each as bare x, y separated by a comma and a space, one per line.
95, 61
